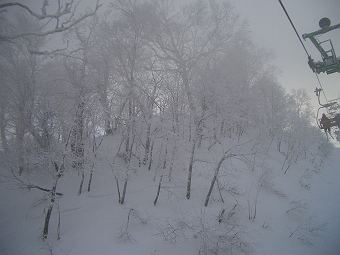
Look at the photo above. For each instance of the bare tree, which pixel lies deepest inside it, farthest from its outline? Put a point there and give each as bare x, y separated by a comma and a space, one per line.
185, 40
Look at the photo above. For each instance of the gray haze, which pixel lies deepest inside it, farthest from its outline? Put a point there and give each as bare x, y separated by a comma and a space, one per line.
160, 129
271, 30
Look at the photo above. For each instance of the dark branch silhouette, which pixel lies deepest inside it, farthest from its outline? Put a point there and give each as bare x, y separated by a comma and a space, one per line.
63, 17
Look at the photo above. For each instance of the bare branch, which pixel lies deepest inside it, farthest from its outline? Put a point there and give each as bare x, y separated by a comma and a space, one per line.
24, 185
62, 12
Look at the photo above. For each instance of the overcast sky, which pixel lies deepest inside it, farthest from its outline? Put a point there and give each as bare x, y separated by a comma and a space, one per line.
270, 29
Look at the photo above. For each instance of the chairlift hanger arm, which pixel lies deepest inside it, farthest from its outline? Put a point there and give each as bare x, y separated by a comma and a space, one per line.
330, 63
317, 92
317, 45
311, 36
320, 31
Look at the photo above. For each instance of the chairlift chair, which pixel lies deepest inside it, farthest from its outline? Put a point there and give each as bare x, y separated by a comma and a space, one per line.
332, 112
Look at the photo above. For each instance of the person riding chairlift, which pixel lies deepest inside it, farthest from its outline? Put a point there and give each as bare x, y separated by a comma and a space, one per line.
326, 124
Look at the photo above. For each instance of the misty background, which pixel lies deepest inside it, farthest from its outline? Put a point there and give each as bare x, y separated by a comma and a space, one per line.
159, 127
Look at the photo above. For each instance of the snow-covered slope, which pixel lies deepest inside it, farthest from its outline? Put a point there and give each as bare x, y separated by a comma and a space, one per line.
296, 213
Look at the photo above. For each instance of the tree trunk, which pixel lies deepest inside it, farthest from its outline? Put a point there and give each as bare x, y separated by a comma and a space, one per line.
45, 137
4, 142
191, 163
19, 142
127, 144
90, 179
217, 169
172, 161
47, 219
81, 183
150, 157
50, 207
59, 223
193, 114
165, 154
118, 190
77, 144
124, 191
219, 190
147, 143
158, 190
222, 133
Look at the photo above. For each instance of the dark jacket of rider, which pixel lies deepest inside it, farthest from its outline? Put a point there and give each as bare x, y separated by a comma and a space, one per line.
325, 122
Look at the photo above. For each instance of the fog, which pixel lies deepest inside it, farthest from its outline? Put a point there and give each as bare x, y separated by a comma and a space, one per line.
166, 127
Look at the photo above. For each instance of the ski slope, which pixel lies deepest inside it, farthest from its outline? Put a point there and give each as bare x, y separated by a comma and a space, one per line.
290, 219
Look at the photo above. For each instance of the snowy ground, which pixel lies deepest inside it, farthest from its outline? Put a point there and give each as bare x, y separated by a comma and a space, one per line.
290, 219
322, 225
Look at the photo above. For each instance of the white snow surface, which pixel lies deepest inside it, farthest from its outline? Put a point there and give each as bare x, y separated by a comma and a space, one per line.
290, 219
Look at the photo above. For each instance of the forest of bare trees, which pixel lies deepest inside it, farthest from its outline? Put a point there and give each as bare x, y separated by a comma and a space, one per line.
157, 76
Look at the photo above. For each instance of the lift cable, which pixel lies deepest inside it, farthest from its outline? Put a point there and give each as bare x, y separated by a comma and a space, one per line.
296, 32
303, 45
323, 91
